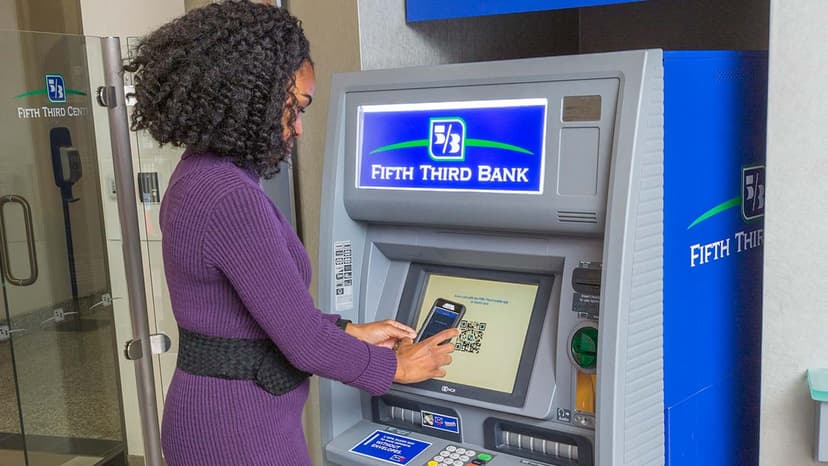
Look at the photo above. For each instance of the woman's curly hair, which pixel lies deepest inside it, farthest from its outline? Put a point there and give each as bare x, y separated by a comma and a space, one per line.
218, 80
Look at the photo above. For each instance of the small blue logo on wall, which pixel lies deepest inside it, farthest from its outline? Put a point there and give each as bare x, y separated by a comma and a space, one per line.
448, 139
55, 89
753, 192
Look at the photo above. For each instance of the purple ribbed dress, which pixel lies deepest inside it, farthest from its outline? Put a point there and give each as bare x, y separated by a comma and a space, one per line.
236, 269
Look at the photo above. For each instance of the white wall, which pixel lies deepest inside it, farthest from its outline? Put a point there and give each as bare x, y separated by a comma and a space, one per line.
795, 333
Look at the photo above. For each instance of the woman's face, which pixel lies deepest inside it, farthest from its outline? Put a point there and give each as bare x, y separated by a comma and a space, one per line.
302, 98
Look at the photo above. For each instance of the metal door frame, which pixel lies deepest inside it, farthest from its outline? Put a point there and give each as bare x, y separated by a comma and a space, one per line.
112, 96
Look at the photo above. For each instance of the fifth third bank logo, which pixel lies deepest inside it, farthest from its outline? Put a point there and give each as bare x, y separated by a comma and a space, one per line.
447, 139
753, 192
55, 89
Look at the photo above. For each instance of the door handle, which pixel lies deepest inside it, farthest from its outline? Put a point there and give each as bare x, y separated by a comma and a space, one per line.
6, 333
160, 343
30, 241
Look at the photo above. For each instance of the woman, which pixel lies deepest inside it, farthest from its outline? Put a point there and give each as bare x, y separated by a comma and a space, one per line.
229, 82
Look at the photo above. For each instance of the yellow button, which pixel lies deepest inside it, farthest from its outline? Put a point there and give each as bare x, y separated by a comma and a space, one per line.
433, 463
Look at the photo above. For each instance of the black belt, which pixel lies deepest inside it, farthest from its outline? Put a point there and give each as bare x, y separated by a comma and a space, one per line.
238, 359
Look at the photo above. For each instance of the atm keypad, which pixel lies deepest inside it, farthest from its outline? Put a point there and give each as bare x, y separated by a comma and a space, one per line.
453, 455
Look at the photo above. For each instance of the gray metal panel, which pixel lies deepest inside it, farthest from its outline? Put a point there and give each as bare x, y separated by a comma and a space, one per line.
579, 168
552, 211
341, 405
630, 410
337, 450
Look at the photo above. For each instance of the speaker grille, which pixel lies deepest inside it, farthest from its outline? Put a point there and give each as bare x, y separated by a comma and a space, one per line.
576, 216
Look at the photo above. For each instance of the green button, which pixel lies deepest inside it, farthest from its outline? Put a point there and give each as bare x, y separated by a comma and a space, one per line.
484, 457
584, 347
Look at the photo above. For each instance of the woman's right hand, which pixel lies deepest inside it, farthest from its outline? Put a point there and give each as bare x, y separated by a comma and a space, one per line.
424, 360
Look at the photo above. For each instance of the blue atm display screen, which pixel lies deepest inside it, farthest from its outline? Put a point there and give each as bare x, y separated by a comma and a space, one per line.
490, 146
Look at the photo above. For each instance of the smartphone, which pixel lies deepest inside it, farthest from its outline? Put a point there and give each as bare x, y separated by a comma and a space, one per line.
444, 314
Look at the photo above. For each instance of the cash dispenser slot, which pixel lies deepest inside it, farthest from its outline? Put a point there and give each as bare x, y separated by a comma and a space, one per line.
545, 445
408, 415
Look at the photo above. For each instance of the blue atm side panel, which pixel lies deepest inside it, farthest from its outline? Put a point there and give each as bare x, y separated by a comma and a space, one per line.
714, 180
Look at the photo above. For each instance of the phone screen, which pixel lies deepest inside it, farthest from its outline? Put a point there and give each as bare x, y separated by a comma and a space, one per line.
440, 320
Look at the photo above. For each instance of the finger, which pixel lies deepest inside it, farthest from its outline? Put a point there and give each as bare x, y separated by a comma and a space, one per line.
405, 342
405, 328
389, 343
396, 332
442, 336
445, 349
439, 373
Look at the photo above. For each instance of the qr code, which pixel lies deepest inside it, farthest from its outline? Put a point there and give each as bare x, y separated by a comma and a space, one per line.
471, 336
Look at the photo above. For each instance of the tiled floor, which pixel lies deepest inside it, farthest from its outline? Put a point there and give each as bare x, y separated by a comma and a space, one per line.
15, 458
68, 384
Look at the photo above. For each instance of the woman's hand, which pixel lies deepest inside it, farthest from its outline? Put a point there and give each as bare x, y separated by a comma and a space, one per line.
385, 333
424, 360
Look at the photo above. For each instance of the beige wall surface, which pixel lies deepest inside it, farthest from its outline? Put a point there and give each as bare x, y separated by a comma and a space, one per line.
62, 16
333, 34
796, 264
190, 4
8, 15
126, 18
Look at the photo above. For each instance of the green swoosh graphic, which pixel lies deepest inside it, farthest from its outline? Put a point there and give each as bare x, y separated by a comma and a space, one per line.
402, 145
43, 91
728, 204
30, 93
496, 145
469, 142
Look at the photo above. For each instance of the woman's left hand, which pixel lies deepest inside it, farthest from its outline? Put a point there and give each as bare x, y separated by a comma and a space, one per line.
385, 333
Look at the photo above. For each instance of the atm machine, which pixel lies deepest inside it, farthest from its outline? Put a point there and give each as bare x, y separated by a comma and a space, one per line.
532, 192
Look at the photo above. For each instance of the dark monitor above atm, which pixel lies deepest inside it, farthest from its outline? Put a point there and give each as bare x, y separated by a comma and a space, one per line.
494, 354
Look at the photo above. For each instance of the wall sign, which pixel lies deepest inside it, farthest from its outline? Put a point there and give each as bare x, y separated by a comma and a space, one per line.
424, 10
56, 92
489, 146
390, 448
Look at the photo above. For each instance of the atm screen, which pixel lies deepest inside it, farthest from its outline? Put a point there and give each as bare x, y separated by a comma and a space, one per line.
498, 333
487, 352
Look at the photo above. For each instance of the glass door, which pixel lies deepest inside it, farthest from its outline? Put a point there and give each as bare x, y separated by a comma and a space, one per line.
11, 451
60, 393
